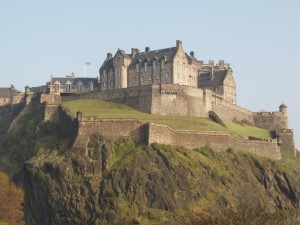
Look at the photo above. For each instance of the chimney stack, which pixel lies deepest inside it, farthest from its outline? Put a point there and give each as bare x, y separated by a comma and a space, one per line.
178, 43
221, 63
134, 51
147, 49
192, 54
109, 55
211, 63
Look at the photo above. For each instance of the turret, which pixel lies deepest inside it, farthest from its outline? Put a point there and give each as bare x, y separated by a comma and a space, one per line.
283, 109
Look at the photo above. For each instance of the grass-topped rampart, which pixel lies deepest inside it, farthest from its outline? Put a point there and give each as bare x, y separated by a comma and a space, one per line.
102, 109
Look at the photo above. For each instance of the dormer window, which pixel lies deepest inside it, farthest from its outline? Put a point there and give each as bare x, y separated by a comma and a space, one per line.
68, 86
57, 85
91, 86
146, 66
79, 86
111, 72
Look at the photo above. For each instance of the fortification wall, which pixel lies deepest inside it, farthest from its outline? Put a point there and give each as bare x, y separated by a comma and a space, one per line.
217, 141
179, 100
136, 97
286, 138
229, 111
109, 128
271, 120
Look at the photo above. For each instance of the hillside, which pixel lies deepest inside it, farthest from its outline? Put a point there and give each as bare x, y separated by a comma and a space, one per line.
102, 109
121, 182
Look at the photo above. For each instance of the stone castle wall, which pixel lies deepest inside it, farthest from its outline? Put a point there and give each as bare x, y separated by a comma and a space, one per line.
169, 99
271, 120
109, 128
114, 129
217, 141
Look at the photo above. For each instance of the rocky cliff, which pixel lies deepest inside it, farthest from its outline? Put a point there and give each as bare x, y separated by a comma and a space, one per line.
121, 182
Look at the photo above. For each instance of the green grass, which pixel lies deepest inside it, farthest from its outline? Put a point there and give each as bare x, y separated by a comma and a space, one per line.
102, 109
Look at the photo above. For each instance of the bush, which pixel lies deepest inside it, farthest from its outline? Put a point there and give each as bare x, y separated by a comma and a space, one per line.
11, 201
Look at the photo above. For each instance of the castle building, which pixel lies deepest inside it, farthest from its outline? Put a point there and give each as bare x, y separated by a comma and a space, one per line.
167, 66
10, 95
72, 84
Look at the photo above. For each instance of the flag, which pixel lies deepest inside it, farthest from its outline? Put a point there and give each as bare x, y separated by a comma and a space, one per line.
87, 63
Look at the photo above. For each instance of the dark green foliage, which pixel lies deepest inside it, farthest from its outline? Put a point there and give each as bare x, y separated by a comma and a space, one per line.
214, 117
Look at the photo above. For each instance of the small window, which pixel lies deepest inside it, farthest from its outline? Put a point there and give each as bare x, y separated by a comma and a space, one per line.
57, 87
133, 79
167, 76
111, 83
91, 86
104, 73
68, 87
104, 84
137, 66
117, 84
119, 72
154, 65
146, 66
111, 72
158, 77
79, 87
142, 78
162, 64
178, 76
149, 77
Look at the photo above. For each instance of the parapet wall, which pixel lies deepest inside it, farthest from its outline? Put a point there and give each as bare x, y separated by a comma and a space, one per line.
271, 120
149, 133
229, 111
109, 128
217, 141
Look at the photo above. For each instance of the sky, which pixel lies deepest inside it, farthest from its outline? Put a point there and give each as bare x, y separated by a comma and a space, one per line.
259, 38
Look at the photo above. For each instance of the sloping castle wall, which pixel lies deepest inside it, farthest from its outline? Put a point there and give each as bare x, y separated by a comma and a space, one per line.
149, 133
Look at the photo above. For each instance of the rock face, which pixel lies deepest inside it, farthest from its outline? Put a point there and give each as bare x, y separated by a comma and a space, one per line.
120, 183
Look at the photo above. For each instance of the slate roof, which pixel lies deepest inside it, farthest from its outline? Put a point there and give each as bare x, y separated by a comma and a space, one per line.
206, 80
5, 92
75, 80
168, 53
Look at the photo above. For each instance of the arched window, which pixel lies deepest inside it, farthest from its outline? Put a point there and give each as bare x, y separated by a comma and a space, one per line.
91, 86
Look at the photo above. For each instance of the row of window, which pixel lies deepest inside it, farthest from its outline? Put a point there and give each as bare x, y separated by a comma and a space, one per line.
69, 87
118, 72
137, 66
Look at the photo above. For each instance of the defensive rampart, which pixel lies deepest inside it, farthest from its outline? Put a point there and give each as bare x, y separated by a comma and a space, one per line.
169, 99
114, 129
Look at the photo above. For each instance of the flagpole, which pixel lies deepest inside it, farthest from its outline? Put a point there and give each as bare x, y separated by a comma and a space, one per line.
85, 70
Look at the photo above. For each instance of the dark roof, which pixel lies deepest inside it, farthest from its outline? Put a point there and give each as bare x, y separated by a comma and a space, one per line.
206, 80
108, 63
168, 53
282, 106
5, 92
75, 80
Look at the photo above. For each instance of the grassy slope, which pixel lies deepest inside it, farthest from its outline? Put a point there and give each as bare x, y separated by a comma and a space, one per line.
102, 109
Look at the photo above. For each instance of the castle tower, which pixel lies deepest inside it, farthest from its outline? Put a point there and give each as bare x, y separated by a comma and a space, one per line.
283, 110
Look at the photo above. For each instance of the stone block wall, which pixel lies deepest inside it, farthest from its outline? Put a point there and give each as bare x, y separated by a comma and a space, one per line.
271, 120
286, 138
229, 111
217, 141
109, 128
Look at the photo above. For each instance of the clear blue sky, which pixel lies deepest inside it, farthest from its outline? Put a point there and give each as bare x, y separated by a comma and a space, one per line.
259, 38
